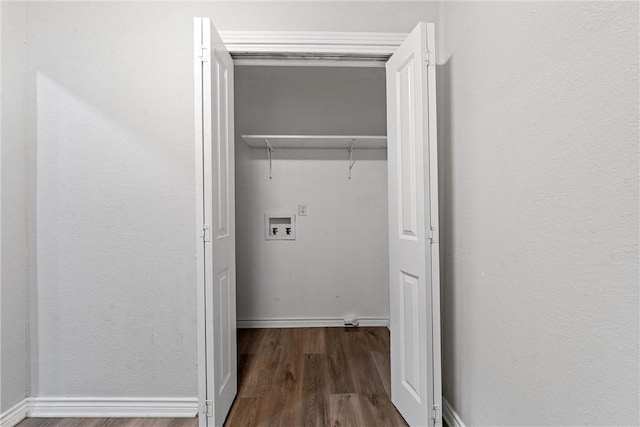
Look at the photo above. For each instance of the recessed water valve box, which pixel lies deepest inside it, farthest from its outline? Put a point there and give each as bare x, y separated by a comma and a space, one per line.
279, 227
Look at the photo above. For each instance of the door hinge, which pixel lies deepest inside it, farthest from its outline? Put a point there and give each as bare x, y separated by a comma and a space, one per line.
203, 54
207, 408
428, 57
436, 414
205, 233
432, 234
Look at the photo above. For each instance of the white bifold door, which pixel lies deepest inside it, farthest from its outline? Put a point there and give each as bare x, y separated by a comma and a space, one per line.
414, 276
413, 228
216, 253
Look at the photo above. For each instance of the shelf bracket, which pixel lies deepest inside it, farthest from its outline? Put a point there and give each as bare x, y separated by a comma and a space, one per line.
351, 160
269, 151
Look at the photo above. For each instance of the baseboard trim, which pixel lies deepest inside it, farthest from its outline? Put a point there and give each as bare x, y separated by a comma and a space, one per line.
112, 407
450, 415
15, 414
307, 322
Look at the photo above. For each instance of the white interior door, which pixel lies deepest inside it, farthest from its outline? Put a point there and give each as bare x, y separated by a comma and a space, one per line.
413, 230
216, 224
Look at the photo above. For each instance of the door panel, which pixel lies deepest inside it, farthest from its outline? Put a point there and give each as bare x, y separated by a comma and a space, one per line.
413, 220
410, 327
222, 298
407, 151
216, 218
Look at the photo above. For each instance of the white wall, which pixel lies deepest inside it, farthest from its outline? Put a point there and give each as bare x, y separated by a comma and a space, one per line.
540, 294
540, 178
14, 355
338, 263
111, 132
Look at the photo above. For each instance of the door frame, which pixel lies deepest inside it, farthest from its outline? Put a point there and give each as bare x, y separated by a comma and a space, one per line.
295, 48
311, 48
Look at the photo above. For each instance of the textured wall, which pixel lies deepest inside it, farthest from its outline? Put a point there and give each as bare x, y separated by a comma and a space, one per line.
14, 255
540, 294
338, 263
111, 129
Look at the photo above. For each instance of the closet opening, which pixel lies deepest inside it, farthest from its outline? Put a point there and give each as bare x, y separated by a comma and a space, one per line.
312, 251
306, 219
310, 145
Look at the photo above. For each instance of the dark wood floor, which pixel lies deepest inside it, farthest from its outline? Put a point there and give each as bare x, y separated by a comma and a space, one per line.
314, 377
294, 377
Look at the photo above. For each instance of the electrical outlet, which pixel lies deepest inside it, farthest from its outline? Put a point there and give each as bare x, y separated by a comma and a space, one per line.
302, 210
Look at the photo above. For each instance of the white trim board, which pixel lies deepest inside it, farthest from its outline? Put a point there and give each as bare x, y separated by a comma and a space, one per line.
112, 407
307, 322
15, 414
450, 415
296, 48
293, 62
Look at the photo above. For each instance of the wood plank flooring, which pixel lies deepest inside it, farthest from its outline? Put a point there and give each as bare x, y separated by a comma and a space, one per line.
313, 377
335, 377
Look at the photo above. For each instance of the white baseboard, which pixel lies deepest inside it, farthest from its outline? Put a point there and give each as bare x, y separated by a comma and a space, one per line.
306, 322
15, 414
91, 407
450, 415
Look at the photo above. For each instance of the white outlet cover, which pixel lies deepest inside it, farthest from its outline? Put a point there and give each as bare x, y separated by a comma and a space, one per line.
303, 210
